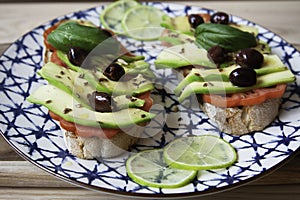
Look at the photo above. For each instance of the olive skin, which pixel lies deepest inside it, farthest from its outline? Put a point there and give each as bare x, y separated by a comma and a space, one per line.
217, 54
195, 20
249, 58
100, 101
76, 55
243, 77
219, 18
114, 72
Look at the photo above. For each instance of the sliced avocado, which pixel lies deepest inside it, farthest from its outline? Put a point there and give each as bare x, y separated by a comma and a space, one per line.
183, 55
263, 47
242, 27
138, 67
64, 105
130, 59
134, 86
125, 61
176, 38
125, 101
222, 87
74, 84
103, 84
271, 64
67, 80
179, 23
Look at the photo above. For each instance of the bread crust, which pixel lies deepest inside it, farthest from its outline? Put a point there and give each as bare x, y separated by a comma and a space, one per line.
244, 119
96, 147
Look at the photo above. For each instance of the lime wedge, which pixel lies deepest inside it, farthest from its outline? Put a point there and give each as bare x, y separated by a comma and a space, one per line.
199, 153
112, 15
143, 22
148, 168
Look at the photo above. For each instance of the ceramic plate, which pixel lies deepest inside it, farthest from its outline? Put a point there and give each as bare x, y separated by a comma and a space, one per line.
30, 131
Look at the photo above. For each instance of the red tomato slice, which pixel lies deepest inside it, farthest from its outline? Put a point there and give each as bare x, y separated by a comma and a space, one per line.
256, 96
148, 100
55, 59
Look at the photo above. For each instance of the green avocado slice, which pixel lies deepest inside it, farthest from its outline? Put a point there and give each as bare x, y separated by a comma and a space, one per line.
64, 105
271, 64
183, 55
221, 87
135, 86
73, 83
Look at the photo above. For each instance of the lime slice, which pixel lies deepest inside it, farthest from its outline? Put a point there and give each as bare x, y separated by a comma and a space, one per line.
199, 153
148, 168
143, 22
112, 15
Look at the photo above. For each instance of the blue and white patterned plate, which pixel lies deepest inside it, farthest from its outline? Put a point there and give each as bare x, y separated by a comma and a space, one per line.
30, 131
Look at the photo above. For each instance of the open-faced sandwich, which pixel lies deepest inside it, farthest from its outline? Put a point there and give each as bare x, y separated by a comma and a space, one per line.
97, 91
238, 82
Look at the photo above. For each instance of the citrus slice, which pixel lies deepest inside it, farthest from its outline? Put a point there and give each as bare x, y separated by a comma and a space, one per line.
112, 15
199, 153
143, 22
148, 168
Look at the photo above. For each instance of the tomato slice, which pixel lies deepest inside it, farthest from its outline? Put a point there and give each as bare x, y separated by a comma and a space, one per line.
253, 97
55, 59
84, 131
148, 101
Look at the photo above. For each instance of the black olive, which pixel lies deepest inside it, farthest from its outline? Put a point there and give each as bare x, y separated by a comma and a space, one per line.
101, 101
195, 20
217, 54
243, 77
114, 72
219, 18
77, 55
249, 58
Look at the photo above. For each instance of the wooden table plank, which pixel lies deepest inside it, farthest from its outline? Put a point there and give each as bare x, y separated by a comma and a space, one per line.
16, 19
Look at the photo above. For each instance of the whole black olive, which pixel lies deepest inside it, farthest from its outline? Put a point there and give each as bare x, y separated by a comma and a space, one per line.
195, 20
219, 18
76, 55
249, 58
217, 54
243, 77
100, 101
114, 72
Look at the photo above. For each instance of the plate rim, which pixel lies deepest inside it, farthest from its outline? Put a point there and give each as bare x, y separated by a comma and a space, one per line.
149, 195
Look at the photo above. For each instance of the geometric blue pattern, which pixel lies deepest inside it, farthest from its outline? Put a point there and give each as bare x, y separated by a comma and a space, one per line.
30, 130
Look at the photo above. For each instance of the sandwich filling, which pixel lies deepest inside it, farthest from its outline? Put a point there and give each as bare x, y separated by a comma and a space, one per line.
223, 63
95, 86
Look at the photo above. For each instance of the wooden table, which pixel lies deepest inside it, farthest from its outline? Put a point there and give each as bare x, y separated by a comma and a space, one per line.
19, 179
